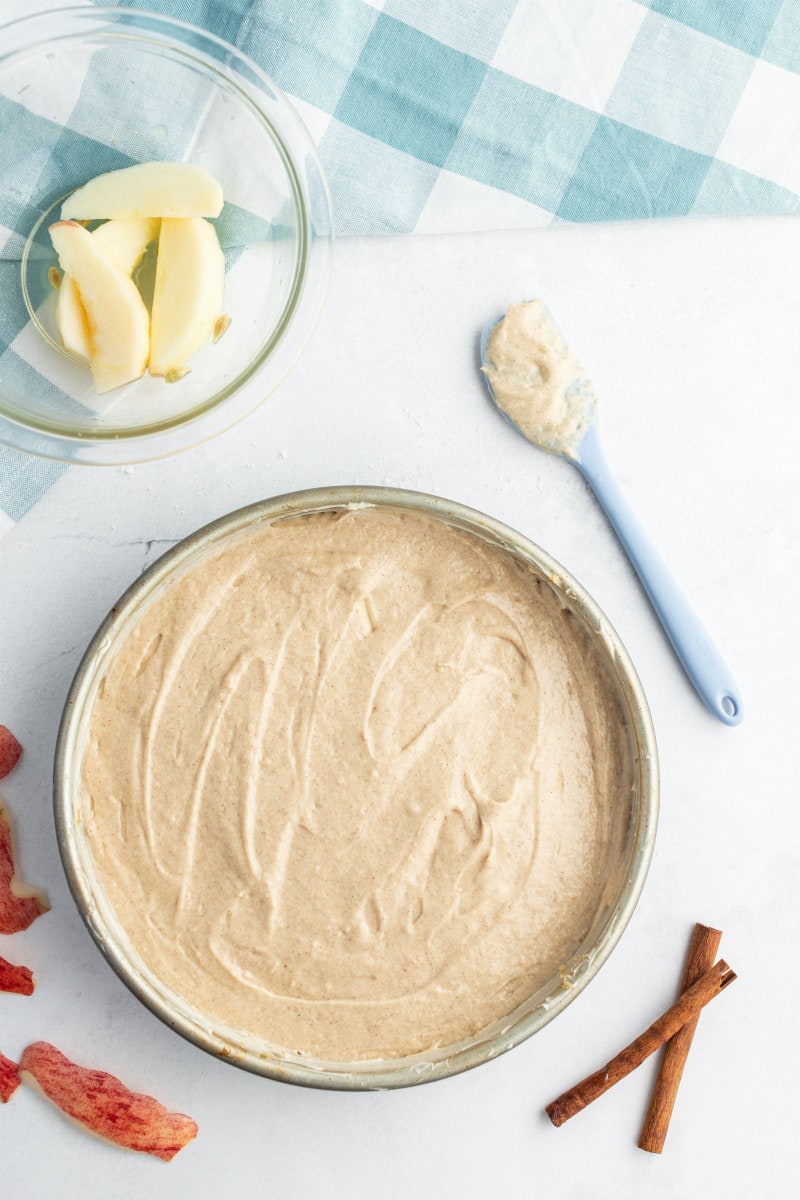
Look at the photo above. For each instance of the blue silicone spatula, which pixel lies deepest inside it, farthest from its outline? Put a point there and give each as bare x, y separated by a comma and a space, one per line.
700, 658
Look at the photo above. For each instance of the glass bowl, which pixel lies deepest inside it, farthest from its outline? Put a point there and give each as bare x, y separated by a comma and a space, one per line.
88, 90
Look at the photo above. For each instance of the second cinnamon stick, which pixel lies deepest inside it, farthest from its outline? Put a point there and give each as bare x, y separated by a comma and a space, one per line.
702, 949
685, 1009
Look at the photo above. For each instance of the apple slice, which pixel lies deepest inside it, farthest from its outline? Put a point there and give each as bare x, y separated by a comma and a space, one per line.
119, 325
9, 1078
15, 979
103, 1105
152, 189
10, 751
187, 300
124, 241
71, 320
19, 905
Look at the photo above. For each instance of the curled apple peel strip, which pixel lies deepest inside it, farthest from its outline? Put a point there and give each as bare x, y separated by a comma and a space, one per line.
20, 905
15, 979
9, 1078
10, 751
104, 1106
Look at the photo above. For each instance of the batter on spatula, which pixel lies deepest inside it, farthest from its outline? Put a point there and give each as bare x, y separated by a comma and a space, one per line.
537, 381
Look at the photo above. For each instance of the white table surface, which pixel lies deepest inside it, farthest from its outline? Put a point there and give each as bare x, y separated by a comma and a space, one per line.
690, 330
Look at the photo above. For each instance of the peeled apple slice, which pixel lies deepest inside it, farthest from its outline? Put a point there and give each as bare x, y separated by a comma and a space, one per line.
124, 241
118, 321
71, 320
154, 189
190, 279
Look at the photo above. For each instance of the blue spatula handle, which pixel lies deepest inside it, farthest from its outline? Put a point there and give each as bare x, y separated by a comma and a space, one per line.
698, 654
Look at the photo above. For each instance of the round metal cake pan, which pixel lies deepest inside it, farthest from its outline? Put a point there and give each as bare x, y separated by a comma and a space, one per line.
260, 1056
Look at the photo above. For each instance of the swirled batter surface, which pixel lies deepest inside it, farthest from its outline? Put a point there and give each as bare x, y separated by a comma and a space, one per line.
356, 783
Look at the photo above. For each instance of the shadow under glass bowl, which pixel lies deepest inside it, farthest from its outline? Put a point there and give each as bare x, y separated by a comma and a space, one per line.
84, 91
621, 887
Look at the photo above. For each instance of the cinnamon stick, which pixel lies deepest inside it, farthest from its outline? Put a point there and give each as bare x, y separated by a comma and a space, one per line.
685, 1009
702, 950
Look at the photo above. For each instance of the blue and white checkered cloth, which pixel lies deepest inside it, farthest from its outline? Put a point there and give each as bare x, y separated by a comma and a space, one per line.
452, 115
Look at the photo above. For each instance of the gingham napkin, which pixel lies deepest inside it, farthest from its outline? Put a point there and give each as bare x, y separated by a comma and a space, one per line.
446, 115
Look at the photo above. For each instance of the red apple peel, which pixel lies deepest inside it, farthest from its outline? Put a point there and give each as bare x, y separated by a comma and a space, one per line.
20, 905
105, 1106
9, 1078
15, 979
10, 751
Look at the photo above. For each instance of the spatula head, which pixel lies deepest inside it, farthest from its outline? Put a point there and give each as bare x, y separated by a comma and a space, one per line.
582, 392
